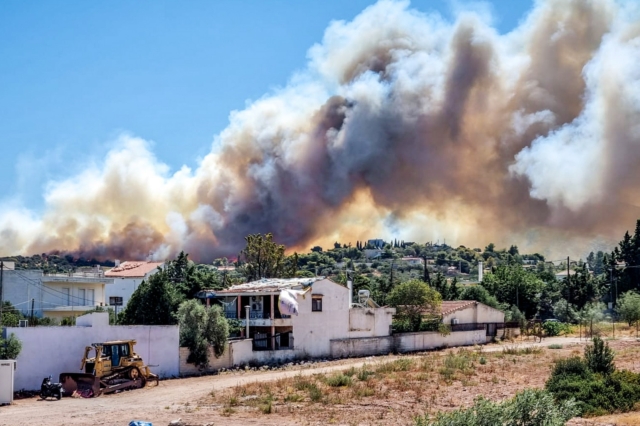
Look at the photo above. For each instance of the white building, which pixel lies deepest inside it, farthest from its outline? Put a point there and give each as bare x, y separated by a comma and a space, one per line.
127, 276
54, 295
324, 314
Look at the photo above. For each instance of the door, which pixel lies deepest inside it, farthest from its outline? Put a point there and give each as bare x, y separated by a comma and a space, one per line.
91, 297
82, 297
492, 330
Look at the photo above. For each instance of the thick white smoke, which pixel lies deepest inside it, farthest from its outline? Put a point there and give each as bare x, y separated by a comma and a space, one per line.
402, 123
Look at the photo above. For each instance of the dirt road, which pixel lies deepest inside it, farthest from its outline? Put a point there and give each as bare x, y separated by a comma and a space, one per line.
174, 399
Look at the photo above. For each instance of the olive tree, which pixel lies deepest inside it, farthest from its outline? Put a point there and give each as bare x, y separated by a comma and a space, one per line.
414, 300
629, 308
201, 328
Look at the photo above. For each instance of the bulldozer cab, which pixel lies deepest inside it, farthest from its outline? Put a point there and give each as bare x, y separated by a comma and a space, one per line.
117, 351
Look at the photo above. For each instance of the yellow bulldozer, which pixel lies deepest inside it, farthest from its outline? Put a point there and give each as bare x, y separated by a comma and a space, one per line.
115, 366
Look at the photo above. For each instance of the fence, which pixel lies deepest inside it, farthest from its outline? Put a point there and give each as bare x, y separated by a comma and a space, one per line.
272, 342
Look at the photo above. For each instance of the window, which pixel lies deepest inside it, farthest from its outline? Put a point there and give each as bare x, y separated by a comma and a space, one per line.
115, 301
91, 297
65, 296
316, 303
81, 297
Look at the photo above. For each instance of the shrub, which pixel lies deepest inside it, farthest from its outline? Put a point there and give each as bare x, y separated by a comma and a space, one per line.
551, 328
599, 357
10, 348
521, 351
531, 407
338, 380
555, 346
595, 393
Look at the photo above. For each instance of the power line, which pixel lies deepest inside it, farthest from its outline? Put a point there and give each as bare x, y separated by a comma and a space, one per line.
40, 285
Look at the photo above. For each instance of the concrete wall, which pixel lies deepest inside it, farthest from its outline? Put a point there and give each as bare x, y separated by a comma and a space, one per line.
215, 364
53, 350
489, 314
313, 331
475, 313
343, 348
409, 342
368, 322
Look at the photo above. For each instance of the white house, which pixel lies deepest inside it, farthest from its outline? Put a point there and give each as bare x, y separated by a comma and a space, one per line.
324, 314
54, 295
127, 276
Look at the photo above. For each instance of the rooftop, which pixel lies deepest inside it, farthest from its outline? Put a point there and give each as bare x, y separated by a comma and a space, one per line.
130, 269
270, 285
449, 306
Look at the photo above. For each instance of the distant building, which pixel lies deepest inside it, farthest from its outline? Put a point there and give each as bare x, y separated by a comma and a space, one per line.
377, 243
414, 261
54, 295
127, 276
372, 253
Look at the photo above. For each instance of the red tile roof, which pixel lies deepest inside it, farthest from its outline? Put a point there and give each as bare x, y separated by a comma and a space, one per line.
131, 269
449, 306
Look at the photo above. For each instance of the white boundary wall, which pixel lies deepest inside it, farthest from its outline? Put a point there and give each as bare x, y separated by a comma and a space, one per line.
54, 350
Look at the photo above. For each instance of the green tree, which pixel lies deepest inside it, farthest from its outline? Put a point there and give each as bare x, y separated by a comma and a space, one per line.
514, 285
592, 312
216, 330
10, 315
10, 348
153, 303
564, 311
480, 294
629, 308
264, 258
201, 328
599, 357
192, 319
414, 300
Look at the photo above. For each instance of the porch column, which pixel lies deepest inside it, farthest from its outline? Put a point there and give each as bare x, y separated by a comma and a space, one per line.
238, 316
273, 327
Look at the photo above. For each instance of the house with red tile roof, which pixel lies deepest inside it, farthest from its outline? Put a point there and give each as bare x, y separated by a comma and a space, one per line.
127, 276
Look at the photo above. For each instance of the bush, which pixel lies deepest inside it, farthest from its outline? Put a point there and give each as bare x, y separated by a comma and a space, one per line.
599, 357
531, 407
596, 393
338, 380
10, 348
555, 346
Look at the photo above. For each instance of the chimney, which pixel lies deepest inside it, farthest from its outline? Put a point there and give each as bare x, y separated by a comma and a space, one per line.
480, 271
350, 287
117, 262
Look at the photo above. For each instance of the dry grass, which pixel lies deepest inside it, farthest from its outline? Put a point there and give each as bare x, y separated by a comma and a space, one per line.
395, 392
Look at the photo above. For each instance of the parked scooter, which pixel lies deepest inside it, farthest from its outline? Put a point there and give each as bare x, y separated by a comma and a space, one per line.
50, 389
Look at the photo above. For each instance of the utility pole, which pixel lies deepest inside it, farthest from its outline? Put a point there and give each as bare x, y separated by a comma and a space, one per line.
32, 302
568, 286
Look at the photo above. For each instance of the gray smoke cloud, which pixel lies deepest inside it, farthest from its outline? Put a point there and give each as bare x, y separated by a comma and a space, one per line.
402, 123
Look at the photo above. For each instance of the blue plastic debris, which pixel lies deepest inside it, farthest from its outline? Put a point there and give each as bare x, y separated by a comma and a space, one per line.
139, 423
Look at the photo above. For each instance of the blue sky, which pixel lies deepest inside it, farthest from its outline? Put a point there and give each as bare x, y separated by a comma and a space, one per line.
75, 74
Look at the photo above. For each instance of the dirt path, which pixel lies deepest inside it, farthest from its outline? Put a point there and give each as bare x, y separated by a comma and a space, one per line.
174, 399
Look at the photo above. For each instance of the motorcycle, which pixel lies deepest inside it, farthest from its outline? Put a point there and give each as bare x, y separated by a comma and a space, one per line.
50, 389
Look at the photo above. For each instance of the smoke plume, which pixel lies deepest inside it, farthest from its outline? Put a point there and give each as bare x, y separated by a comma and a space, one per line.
402, 124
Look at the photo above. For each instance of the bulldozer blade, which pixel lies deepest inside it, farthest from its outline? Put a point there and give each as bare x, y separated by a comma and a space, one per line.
86, 385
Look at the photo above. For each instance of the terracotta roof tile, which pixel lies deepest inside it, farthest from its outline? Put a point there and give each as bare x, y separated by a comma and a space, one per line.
132, 269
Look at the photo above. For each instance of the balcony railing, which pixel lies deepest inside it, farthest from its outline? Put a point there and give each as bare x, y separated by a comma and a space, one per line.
273, 342
253, 315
